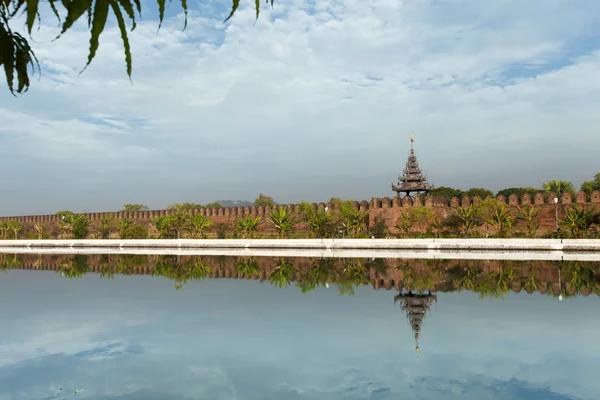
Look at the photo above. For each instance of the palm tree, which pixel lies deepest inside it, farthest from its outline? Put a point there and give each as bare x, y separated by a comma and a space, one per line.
39, 227
66, 222
247, 226
198, 224
578, 220
106, 225
318, 221
558, 187
500, 218
282, 220
124, 224
405, 224
530, 215
15, 227
470, 219
353, 221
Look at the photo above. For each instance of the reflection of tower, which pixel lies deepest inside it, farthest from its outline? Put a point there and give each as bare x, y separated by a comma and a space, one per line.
416, 306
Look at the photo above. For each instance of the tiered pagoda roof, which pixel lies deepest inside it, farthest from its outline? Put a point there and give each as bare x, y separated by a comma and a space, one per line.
412, 179
416, 306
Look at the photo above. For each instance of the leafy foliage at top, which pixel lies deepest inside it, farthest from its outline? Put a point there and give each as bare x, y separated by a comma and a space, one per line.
17, 57
264, 201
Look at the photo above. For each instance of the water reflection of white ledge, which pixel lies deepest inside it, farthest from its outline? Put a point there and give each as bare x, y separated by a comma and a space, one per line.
488, 249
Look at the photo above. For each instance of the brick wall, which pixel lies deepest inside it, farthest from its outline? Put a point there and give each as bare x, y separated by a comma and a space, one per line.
389, 208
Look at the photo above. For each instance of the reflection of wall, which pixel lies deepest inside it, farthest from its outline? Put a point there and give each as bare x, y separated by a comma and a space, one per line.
386, 207
381, 273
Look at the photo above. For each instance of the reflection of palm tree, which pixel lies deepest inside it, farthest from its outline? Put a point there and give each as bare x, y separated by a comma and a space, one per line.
582, 277
247, 268
74, 268
317, 275
181, 270
530, 283
282, 273
354, 274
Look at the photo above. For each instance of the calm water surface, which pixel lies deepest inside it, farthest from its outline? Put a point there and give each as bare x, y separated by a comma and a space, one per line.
133, 327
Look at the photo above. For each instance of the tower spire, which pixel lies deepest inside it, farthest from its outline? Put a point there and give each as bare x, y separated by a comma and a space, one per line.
412, 179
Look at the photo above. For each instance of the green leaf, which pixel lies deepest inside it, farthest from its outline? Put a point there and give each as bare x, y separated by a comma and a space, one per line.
161, 12
54, 9
8, 54
234, 6
75, 9
128, 7
98, 23
123, 30
185, 10
257, 6
138, 5
32, 11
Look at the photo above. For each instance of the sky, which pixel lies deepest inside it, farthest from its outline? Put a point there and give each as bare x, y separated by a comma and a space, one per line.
315, 99
136, 337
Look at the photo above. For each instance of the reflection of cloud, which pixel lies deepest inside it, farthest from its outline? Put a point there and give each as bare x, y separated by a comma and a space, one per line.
136, 337
110, 351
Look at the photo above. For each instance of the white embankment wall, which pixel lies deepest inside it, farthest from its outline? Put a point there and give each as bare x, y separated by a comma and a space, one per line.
517, 249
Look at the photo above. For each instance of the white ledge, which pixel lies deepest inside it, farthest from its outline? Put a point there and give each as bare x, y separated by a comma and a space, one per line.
515, 249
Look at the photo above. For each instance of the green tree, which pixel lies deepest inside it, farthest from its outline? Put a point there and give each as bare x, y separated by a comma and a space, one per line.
73, 225
589, 186
17, 56
178, 220
405, 224
199, 223
353, 220
39, 228
479, 192
319, 222
106, 225
519, 192
447, 192
247, 226
124, 224
379, 229
134, 208
14, 227
500, 217
282, 274
283, 221
134, 231
558, 187
4, 228
530, 215
163, 226
578, 220
469, 217
421, 217
265, 201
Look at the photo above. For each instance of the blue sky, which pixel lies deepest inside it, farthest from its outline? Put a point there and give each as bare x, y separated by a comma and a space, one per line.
313, 100
137, 337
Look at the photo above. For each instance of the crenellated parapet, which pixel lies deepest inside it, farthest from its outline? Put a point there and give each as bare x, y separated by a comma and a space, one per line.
389, 208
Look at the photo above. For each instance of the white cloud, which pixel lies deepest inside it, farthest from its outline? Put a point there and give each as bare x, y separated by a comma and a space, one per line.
342, 82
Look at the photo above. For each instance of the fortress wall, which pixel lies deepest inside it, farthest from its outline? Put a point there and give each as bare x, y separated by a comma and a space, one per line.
390, 209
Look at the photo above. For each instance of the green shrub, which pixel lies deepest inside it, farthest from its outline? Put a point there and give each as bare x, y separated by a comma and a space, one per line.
135, 231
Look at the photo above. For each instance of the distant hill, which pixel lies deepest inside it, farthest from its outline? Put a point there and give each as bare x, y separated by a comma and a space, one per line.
234, 203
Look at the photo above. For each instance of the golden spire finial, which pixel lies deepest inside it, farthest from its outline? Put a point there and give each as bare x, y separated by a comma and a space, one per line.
412, 138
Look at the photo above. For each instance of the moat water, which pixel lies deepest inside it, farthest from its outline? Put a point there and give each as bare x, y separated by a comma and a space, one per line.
175, 328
